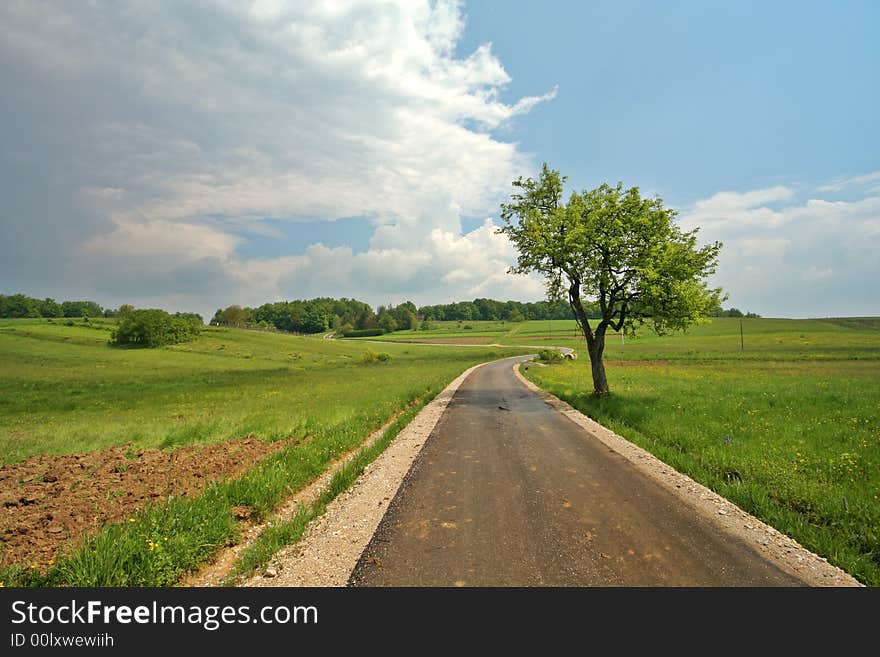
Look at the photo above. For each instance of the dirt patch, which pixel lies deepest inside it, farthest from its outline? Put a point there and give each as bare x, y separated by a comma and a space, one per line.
637, 363
48, 501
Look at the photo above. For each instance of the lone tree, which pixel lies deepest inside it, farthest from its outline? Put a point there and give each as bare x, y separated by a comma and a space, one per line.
612, 246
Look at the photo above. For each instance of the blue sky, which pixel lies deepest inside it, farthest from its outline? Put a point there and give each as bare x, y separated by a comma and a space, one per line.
194, 155
690, 98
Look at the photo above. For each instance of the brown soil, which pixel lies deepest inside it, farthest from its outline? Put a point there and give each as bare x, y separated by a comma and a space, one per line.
48, 501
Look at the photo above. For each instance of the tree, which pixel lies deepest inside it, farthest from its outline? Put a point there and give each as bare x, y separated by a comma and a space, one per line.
152, 327
234, 315
81, 309
18, 305
50, 308
613, 246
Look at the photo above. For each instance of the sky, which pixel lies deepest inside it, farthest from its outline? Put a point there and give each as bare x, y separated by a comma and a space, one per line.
192, 155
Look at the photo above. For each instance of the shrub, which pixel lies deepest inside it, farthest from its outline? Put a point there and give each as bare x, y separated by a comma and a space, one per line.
153, 328
364, 333
370, 356
549, 356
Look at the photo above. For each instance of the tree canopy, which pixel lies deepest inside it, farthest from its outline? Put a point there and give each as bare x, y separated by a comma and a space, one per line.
151, 327
616, 248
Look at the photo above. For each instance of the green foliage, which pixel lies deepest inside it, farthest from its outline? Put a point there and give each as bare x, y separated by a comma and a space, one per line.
299, 316
363, 333
612, 246
231, 316
730, 312
153, 328
370, 356
549, 356
512, 311
21, 306
193, 318
81, 309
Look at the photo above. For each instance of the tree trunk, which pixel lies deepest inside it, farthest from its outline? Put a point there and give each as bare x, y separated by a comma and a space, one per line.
595, 341
596, 348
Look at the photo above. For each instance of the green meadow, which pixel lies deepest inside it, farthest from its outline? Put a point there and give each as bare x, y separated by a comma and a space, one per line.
64, 390
785, 422
779, 416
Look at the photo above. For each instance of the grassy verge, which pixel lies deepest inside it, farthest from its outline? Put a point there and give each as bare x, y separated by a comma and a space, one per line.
797, 444
160, 544
278, 536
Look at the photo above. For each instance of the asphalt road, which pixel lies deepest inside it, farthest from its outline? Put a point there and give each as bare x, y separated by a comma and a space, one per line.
509, 492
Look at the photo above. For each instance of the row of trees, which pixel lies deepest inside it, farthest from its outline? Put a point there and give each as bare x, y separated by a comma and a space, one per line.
20, 305
349, 315
300, 316
731, 312
491, 310
14, 306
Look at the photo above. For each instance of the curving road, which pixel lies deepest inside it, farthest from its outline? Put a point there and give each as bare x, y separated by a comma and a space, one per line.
509, 492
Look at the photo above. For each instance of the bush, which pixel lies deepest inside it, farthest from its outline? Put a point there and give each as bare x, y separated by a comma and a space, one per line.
153, 328
370, 356
363, 333
549, 356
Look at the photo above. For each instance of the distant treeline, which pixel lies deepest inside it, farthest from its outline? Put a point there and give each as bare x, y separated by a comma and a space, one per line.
731, 312
511, 311
325, 314
312, 316
20, 305
352, 317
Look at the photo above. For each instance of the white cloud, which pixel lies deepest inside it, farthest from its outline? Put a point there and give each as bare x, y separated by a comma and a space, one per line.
869, 179
817, 254
172, 122
739, 209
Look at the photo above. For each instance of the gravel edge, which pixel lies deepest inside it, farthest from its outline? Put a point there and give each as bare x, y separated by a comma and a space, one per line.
332, 545
782, 550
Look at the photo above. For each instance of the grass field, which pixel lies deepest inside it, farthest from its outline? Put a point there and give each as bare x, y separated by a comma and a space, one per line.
788, 429
763, 339
64, 390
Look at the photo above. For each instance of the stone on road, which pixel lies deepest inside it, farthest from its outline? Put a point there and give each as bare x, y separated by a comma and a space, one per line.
509, 492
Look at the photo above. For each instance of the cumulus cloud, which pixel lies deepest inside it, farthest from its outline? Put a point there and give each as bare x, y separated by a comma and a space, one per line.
165, 133
783, 254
